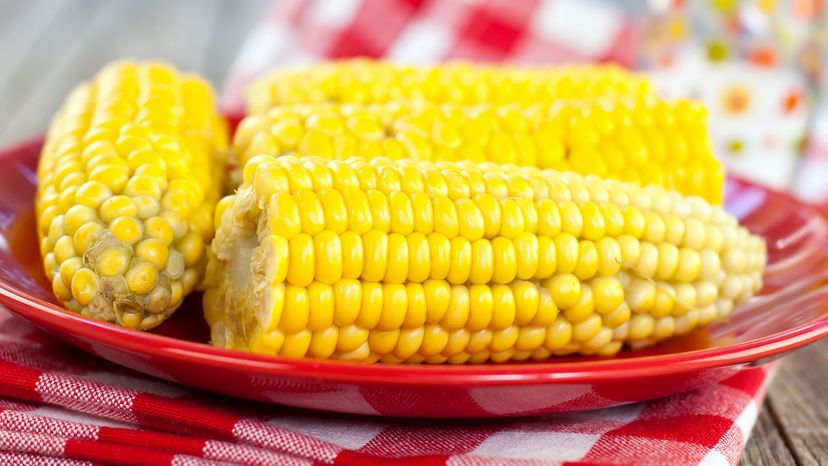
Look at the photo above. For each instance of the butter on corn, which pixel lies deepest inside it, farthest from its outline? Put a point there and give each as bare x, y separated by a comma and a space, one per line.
129, 176
417, 261
370, 81
649, 141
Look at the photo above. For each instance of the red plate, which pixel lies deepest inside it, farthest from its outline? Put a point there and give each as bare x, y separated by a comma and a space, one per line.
791, 312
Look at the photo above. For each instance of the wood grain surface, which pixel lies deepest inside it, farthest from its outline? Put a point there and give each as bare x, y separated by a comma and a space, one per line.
47, 46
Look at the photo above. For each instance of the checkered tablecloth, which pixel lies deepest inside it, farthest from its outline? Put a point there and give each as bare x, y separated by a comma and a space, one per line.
60, 406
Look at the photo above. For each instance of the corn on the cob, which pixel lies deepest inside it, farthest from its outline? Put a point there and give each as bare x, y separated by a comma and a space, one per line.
129, 176
368, 81
416, 261
646, 141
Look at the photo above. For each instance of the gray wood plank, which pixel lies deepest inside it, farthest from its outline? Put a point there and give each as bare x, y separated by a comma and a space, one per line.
60, 43
39, 84
797, 398
174, 31
10, 13
20, 28
7, 11
233, 23
766, 445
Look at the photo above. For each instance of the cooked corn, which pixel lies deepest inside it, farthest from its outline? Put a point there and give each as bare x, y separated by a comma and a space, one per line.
369, 81
416, 261
646, 141
129, 176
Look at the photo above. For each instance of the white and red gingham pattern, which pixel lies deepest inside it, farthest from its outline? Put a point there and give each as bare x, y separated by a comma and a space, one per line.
61, 406
425, 31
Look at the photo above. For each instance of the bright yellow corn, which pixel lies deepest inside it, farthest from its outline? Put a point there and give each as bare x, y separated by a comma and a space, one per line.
368, 81
416, 261
649, 141
129, 176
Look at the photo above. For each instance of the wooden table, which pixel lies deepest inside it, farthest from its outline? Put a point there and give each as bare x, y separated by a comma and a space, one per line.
47, 46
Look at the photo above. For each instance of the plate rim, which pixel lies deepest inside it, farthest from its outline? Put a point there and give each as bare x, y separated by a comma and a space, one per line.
56, 318
201, 354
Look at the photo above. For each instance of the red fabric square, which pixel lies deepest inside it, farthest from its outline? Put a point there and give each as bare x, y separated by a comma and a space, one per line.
715, 400
18, 382
619, 449
192, 418
704, 430
747, 381
491, 32
350, 458
584, 463
452, 397
352, 43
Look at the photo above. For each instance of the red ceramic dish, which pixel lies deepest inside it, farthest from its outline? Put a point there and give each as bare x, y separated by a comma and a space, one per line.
792, 311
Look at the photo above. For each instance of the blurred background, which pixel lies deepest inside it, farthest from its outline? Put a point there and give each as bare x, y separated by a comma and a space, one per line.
48, 46
757, 64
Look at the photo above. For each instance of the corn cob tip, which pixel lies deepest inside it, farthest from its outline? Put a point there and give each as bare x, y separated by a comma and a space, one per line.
128, 179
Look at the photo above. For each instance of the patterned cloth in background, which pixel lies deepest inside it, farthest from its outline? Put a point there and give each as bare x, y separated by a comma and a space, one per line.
757, 64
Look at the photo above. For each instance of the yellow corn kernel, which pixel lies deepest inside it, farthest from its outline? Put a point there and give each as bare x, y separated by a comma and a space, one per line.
85, 285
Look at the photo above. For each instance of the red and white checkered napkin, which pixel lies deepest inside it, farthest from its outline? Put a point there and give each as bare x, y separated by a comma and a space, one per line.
59, 405
425, 31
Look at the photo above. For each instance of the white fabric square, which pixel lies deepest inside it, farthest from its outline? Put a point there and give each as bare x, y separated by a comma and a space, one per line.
421, 42
336, 13
746, 420
537, 445
714, 458
265, 44
622, 414
346, 433
587, 26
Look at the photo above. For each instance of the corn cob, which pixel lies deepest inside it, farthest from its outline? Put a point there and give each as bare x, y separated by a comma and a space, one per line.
129, 176
417, 261
646, 140
367, 81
